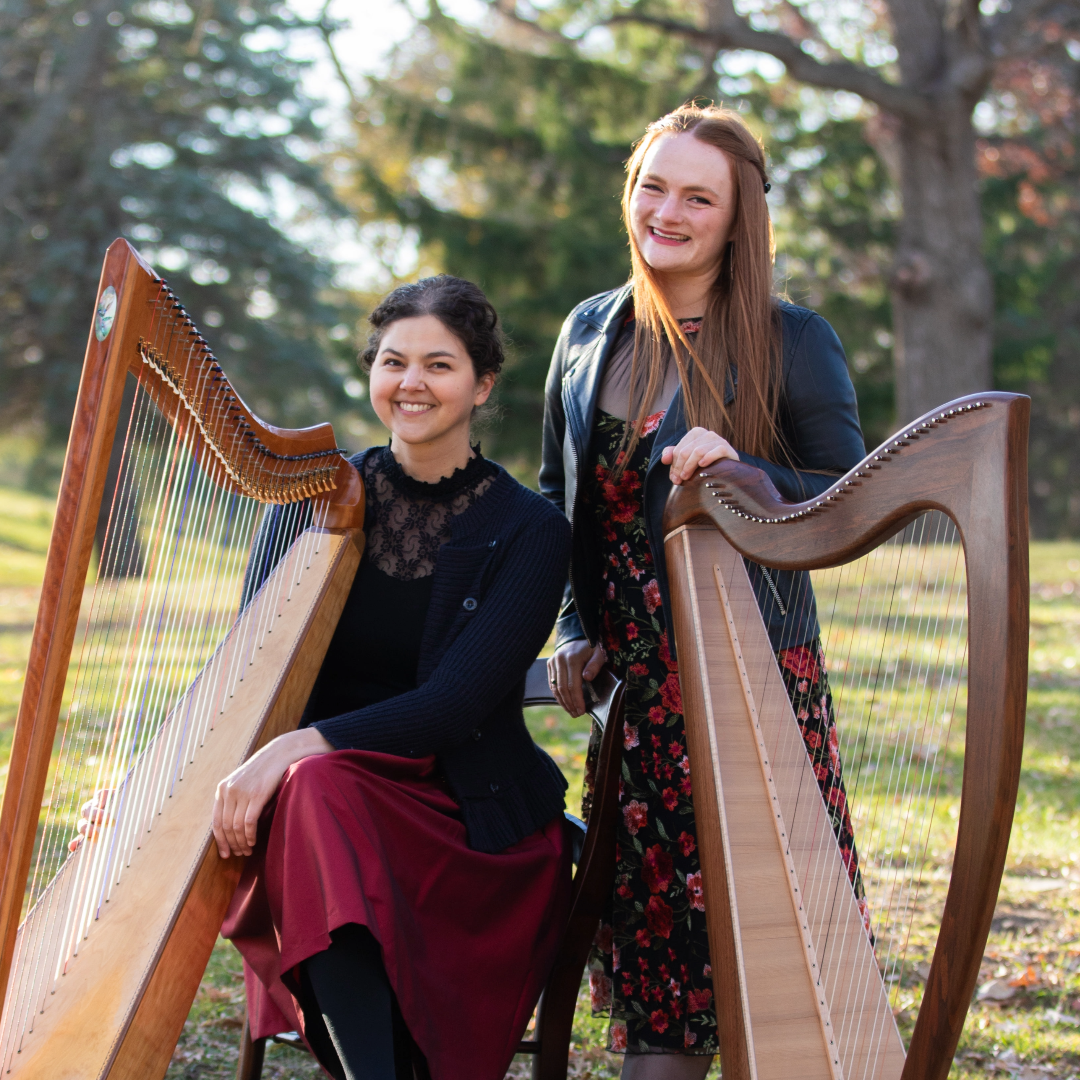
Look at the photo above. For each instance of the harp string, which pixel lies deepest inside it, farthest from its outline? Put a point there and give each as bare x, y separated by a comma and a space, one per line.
136, 744
47, 852
146, 794
853, 783
893, 635
152, 626
169, 580
862, 991
32, 971
140, 700
86, 696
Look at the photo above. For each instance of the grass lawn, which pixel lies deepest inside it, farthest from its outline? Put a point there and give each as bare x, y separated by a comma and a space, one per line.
1027, 1026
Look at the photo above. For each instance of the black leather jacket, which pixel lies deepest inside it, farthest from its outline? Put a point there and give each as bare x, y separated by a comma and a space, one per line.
819, 420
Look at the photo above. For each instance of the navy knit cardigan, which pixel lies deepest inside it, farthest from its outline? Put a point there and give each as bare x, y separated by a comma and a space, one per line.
495, 597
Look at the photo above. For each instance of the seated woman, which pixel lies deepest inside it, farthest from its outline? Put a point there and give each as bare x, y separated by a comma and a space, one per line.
408, 880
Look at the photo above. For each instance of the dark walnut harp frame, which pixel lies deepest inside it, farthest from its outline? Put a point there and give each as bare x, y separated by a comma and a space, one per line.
270, 464
969, 461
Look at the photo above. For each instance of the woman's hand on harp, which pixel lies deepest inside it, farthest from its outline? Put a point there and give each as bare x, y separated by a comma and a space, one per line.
697, 449
243, 794
92, 816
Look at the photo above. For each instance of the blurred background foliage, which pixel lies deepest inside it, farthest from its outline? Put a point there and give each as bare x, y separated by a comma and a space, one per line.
492, 148
508, 163
176, 131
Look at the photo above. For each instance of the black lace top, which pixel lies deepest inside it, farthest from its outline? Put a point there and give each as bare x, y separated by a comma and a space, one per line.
407, 519
375, 649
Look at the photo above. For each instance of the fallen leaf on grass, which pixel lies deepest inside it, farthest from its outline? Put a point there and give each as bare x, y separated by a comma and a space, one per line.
996, 990
182, 1057
1053, 1016
224, 1022
1028, 977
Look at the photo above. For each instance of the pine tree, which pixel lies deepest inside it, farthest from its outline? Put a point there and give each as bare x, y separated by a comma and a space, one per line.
170, 127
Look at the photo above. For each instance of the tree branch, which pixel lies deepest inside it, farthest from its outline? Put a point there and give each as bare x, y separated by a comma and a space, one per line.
326, 29
795, 25
507, 9
1008, 27
733, 33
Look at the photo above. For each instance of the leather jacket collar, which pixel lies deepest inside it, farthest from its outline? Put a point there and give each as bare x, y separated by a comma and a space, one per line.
581, 382
594, 333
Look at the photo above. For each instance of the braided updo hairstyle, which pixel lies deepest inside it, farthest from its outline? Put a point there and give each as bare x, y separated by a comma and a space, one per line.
458, 304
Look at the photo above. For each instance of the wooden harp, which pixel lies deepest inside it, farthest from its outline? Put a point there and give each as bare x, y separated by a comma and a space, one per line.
918, 560
153, 681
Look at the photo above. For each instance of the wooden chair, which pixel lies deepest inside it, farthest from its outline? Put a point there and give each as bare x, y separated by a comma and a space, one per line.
594, 856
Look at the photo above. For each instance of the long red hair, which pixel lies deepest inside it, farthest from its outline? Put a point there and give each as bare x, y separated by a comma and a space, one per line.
741, 327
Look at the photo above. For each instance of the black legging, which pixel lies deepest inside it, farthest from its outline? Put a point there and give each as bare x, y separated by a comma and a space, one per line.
351, 1016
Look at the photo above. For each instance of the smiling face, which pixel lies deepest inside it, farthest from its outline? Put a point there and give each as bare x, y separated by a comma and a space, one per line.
683, 206
424, 389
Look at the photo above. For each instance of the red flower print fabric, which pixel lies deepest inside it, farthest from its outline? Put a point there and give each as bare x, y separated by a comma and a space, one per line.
650, 960
801, 661
650, 970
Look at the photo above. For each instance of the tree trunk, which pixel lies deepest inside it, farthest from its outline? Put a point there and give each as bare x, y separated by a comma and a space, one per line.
941, 290
942, 297
72, 83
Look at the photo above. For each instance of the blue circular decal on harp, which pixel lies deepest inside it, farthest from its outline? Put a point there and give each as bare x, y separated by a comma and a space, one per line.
106, 312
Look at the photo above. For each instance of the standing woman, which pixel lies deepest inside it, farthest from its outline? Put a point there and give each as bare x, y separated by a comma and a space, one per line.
407, 878
693, 361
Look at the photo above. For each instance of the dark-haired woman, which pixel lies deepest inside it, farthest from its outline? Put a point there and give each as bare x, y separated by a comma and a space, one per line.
407, 877
693, 361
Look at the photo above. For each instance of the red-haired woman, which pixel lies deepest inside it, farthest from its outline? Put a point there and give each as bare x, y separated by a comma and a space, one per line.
692, 361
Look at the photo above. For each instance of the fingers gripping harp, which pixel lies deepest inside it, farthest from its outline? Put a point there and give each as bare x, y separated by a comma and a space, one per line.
853, 838
153, 680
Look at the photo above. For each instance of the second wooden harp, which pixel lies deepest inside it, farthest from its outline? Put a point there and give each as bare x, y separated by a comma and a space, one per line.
913, 570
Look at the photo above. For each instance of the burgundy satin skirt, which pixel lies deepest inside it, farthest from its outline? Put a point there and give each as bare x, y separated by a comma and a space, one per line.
468, 939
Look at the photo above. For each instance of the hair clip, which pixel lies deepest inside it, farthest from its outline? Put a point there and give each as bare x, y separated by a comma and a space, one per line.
768, 187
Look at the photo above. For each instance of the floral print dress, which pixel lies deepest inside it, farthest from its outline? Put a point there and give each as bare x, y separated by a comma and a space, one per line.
650, 970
